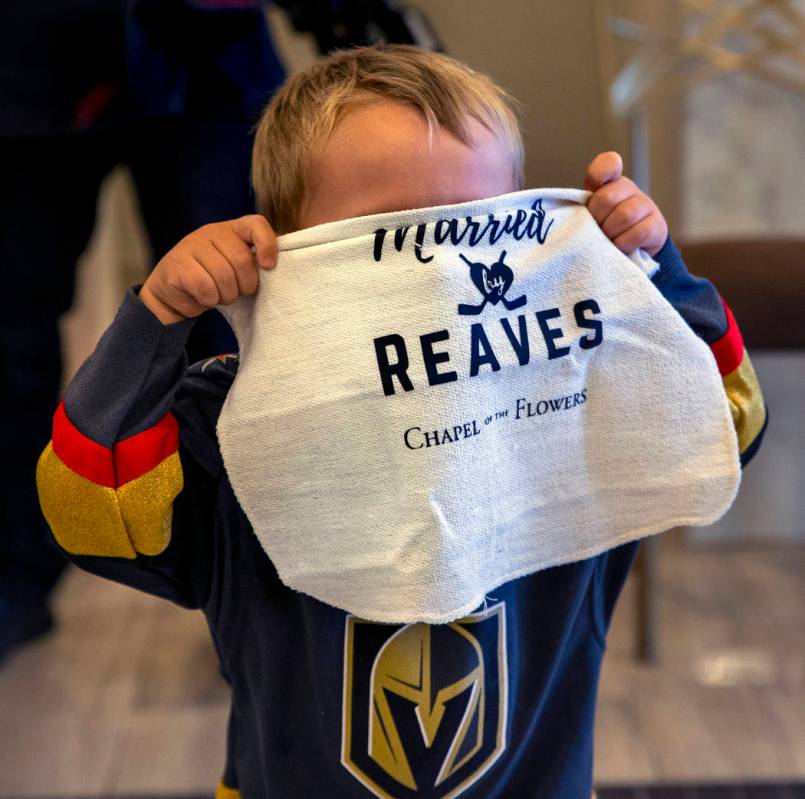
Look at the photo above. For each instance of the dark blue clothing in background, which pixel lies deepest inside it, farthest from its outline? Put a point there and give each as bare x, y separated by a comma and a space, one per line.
171, 89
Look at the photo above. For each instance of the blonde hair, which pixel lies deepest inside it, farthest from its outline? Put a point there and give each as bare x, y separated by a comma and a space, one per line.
308, 106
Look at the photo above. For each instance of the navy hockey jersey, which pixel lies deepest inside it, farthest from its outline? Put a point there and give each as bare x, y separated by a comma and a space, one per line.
498, 704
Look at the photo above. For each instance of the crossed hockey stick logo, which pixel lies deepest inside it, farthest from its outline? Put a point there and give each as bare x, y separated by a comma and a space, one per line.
493, 282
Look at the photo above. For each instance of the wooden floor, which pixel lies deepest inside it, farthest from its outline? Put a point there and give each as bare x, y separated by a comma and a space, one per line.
777, 790
727, 700
124, 697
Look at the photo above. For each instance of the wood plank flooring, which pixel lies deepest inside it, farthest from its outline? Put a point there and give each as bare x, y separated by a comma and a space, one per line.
727, 699
750, 791
681, 791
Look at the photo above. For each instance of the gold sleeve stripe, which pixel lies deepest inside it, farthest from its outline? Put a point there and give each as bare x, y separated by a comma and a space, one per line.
91, 519
224, 792
83, 515
746, 402
146, 505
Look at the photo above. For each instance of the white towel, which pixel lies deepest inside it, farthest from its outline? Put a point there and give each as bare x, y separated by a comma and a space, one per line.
433, 402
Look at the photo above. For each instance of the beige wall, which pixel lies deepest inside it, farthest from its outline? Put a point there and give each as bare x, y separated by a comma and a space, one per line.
545, 55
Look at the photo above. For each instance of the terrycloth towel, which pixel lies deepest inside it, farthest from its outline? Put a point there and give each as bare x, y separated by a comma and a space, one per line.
432, 402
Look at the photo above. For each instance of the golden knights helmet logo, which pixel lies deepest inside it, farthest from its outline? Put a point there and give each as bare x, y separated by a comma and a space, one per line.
424, 709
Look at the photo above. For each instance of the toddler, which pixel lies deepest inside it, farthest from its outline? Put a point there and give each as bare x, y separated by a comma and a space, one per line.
498, 704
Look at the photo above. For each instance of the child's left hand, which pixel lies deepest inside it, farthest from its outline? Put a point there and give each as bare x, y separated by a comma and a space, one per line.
627, 215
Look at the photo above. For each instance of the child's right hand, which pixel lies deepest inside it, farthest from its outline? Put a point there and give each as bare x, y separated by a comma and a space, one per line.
211, 266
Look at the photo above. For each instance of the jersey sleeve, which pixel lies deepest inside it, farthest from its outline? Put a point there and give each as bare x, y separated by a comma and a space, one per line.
127, 481
698, 302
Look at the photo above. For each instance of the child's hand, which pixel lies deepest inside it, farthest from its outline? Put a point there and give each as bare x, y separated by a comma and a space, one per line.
627, 215
210, 266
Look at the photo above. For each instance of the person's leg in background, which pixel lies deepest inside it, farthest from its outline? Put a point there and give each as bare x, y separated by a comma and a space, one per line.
48, 207
191, 139
190, 171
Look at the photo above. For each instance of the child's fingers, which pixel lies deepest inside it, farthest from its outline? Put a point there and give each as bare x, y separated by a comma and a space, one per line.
640, 235
240, 256
198, 285
604, 168
604, 201
209, 258
255, 229
626, 215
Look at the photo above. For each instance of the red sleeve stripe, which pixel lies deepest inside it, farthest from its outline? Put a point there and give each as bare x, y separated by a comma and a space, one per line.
127, 460
729, 349
138, 454
83, 455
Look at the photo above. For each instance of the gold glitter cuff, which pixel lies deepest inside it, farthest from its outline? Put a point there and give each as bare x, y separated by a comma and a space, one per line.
746, 402
223, 792
91, 519
146, 505
84, 516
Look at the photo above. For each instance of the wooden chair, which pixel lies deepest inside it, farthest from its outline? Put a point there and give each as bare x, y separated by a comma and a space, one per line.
763, 282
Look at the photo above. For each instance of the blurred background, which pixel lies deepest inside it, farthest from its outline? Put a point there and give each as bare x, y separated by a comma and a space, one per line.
704, 678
